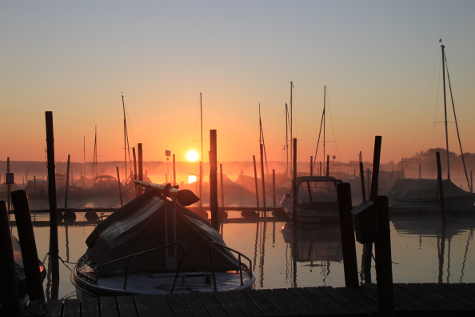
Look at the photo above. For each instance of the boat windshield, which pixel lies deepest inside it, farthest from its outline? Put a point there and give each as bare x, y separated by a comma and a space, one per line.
317, 192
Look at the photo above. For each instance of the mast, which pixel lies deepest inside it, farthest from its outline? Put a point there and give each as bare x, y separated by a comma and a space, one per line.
201, 139
445, 112
291, 122
324, 121
125, 140
287, 136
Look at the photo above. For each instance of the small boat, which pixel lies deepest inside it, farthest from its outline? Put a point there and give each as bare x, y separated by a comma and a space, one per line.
316, 199
155, 245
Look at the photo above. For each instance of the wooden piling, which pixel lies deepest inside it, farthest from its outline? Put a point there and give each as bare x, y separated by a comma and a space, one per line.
328, 166
376, 161
363, 188
9, 186
29, 252
139, 148
9, 297
120, 187
311, 165
174, 171
222, 184
213, 179
53, 245
67, 182
350, 265
135, 170
383, 261
255, 180
273, 185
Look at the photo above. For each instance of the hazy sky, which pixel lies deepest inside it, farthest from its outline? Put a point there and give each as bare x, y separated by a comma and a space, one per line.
380, 61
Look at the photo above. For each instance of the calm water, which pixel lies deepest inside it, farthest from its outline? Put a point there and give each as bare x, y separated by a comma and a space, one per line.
421, 251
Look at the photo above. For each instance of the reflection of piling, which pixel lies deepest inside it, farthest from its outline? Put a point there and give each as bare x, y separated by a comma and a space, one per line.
28, 249
53, 245
294, 182
213, 180
9, 288
347, 235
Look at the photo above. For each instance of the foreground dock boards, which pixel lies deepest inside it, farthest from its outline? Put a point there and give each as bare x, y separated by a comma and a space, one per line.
409, 299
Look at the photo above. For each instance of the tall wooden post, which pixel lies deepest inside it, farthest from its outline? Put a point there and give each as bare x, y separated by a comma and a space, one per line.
273, 185
9, 288
222, 184
140, 161
311, 165
383, 262
213, 180
363, 188
9, 186
53, 214
347, 234
174, 171
67, 183
376, 160
28, 249
255, 180
328, 166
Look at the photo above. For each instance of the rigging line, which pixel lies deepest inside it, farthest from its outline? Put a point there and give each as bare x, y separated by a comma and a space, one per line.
318, 141
456, 123
425, 100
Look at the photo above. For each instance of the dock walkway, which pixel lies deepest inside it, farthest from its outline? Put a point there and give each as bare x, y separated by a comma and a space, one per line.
409, 300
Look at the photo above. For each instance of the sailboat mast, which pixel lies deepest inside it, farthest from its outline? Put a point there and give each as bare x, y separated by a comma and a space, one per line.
445, 111
287, 136
324, 121
125, 140
291, 122
201, 139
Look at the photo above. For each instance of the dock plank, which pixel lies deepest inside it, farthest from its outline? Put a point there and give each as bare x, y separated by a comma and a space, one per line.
89, 307
443, 294
264, 305
282, 306
126, 306
329, 301
312, 301
53, 308
299, 305
345, 300
144, 306
177, 305
211, 304
72, 308
457, 292
228, 304
354, 295
194, 305
424, 295
246, 305
108, 307
160, 306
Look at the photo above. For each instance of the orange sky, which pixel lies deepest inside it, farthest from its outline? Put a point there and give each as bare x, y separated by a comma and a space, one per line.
379, 61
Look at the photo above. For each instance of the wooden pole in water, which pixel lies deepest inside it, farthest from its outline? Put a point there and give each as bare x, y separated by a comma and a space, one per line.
9, 186
255, 180
140, 162
222, 184
347, 235
311, 165
174, 171
420, 171
67, 182
363, 188
262, 179
273, 185
376, 160
328, 165
213, 179
383, 261
135, 170
294, 182
53, 215
9, 297
29, 252
120, 187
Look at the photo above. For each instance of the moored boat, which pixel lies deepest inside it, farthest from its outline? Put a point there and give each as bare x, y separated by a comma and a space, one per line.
154, 245
316, 199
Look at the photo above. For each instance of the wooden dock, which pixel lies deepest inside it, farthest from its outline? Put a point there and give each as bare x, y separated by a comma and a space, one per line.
409, 300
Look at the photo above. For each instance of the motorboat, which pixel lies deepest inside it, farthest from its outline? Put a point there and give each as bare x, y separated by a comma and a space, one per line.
316, 197
155, 245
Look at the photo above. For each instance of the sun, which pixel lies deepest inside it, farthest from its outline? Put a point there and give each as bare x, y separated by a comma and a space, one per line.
192, 156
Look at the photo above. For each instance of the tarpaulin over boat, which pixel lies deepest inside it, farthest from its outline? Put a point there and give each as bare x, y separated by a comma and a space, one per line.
425, 192
141, 225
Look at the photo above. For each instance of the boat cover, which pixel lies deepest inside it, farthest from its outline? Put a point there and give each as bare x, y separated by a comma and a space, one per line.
140, 225
426, 192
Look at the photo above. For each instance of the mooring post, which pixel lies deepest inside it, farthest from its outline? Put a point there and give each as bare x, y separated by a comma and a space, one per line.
328, 166
255, 181
294, 182
273, 185
135, 170
9, 288
213, 179
29, 252
311, 165
120, 187
67, 183
53, 215
9, 186
174, 171
363, 188
350, 265
139, 148
222, 184
383, 261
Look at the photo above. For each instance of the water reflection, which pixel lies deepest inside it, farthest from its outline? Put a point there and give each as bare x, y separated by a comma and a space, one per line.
314, 245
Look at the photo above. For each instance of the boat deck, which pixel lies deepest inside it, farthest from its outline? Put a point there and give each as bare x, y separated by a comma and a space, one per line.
409, 300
